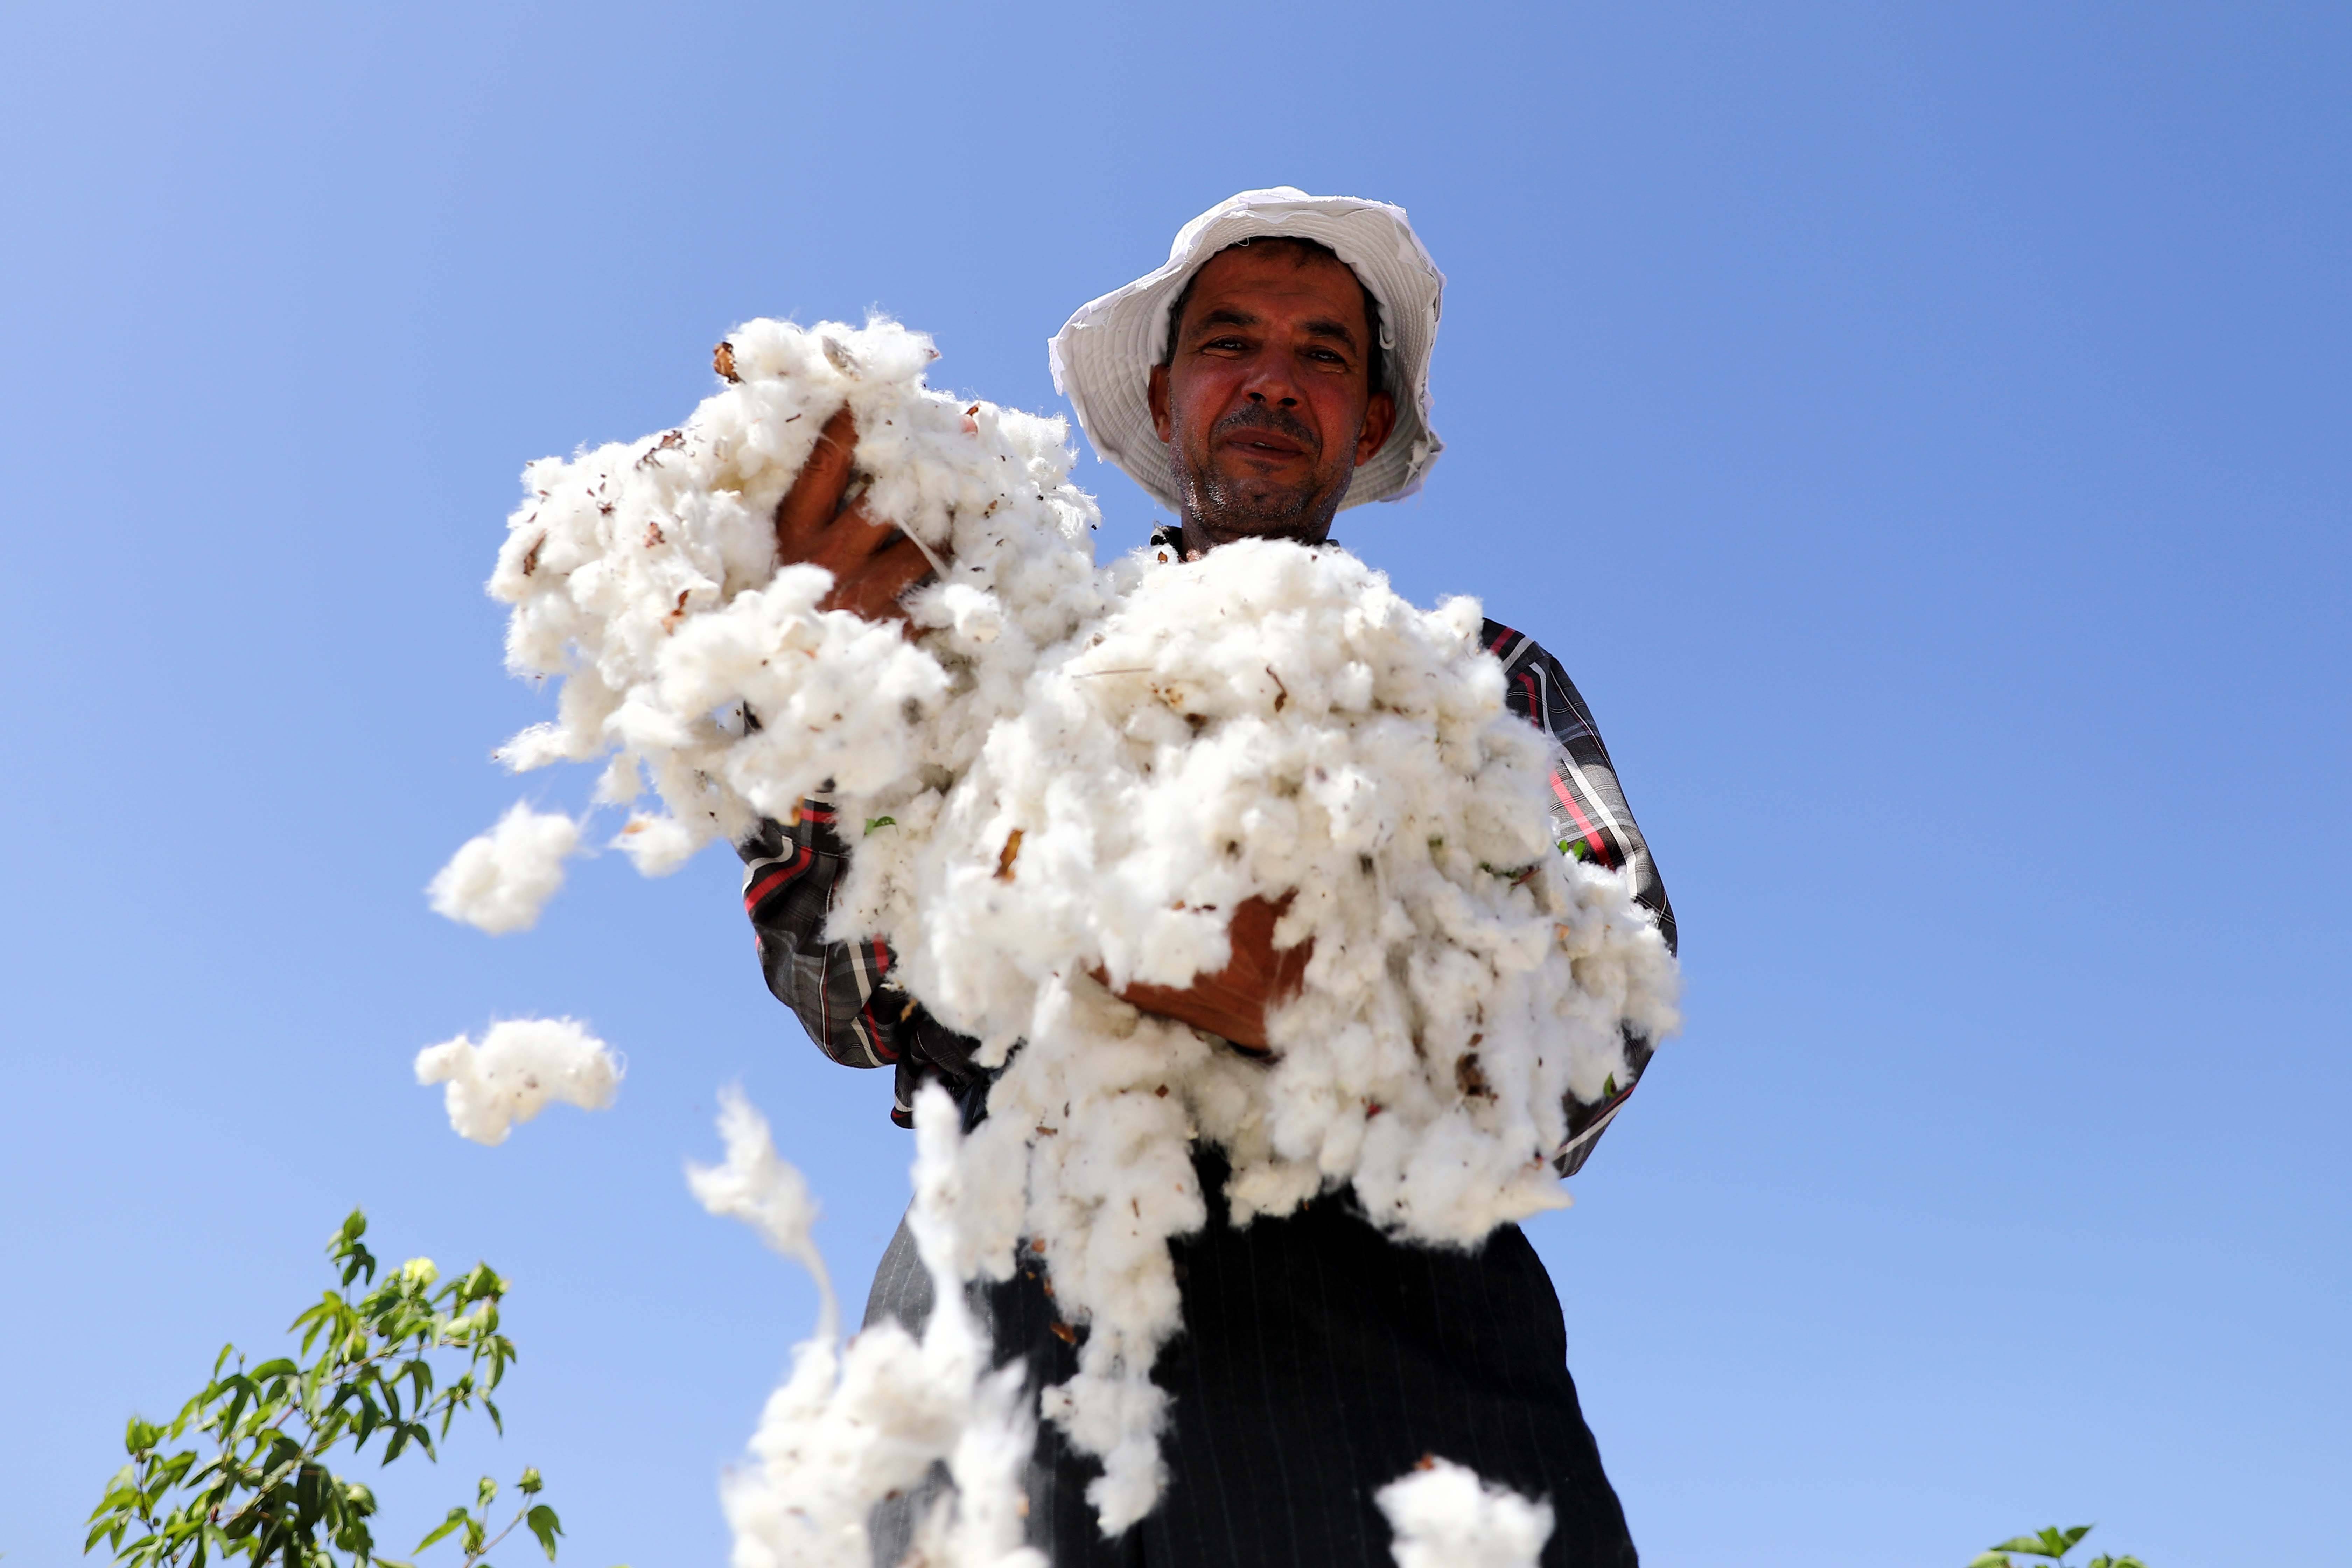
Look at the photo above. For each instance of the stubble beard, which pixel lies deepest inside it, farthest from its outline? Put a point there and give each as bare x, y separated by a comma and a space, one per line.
1218, 508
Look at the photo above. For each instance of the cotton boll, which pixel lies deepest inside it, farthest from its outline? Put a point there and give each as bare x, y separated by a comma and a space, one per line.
500, 880
1445, 1517
521, 1065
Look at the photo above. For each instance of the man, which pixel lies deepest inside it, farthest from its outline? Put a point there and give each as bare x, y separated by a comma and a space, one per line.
1275, 371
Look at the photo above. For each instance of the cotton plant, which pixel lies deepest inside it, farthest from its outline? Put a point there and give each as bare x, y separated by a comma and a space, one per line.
1077, 772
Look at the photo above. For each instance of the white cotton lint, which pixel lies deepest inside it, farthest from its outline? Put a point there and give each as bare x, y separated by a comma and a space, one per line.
1444, 1516
520, 1065
852, 1424
1089, 767
500, 880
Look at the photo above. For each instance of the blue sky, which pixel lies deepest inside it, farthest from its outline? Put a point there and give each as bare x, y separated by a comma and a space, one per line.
1921, 431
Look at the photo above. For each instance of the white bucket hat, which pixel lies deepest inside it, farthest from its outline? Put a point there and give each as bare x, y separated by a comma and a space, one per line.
1102, 357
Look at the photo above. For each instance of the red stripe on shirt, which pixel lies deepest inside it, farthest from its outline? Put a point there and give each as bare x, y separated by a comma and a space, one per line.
1591, 834
757, 893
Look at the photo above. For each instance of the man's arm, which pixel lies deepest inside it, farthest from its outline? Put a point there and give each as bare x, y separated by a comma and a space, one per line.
1589, 820
1590, 817
840, 991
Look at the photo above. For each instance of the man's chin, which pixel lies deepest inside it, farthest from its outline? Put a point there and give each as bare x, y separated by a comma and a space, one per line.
1255, 510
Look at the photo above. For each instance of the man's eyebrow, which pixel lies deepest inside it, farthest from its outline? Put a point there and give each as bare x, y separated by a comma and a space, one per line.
1325, 327
1224, 316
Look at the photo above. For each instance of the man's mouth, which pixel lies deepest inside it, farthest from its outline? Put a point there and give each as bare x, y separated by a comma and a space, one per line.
1257, 441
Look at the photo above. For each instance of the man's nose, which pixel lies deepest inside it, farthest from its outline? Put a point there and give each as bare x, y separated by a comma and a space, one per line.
1270, 382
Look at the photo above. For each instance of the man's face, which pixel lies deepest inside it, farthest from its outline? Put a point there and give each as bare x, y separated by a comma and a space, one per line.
1268, 406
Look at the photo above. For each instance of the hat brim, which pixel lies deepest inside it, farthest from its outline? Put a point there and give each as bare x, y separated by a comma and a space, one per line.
1103, 356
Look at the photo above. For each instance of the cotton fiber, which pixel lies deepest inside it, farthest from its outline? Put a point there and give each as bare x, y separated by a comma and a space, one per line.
767, 1193
1445, 1517
521, 1065
851, 1426
501, 880
1083, 769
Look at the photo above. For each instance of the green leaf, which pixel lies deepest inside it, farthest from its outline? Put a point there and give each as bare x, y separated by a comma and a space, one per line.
456, 1517
487, 1493
871, 823
543, 1523
531, 1484
1990, 1559
2050, 1541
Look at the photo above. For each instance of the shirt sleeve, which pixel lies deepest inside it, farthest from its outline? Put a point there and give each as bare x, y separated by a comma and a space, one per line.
1591, 821
844, 992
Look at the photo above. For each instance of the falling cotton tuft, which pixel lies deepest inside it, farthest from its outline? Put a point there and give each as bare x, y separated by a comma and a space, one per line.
766, 1192
501, 880
1445, 1517
851, 1425
520, 1065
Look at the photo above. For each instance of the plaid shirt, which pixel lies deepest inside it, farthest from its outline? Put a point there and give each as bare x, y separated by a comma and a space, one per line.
851, 1003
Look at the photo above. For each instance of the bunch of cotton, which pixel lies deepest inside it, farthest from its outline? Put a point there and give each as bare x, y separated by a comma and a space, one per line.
499, 882
1445, 1517
1070, 772
642, 577
849, 1428
521, 1065
1271, 721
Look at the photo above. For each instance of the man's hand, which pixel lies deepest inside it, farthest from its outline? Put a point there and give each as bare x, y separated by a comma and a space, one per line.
1232, 1003
872, 562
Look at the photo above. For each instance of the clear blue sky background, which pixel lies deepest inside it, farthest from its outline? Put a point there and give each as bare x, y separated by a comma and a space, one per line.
1922, 431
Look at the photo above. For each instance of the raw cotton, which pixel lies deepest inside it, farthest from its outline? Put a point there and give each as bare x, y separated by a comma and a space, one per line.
767, 1193
642, 575
1070, 769
1270, 721
521, 1065
851, 1426
500, 880
1445, 1517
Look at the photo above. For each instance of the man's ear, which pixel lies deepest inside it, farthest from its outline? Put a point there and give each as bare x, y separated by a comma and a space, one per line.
1379, 418
1156, 393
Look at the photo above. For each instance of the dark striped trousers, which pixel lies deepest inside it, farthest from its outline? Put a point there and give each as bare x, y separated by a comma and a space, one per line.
1318, 1362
